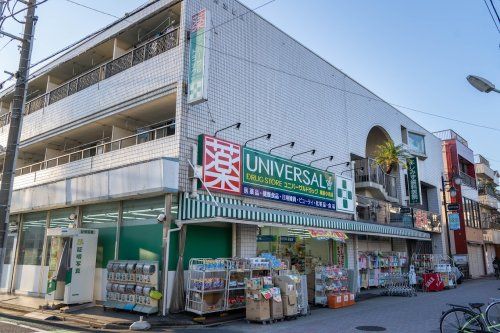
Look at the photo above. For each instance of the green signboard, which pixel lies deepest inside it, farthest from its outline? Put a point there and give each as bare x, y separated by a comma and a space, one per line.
273, 177
413, 180
198, 57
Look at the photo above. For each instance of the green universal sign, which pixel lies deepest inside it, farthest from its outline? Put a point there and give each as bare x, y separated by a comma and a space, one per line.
275, 178
413, 180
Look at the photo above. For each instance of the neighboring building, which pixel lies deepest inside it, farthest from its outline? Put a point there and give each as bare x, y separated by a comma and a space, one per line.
110, 132
467, 244
489, 209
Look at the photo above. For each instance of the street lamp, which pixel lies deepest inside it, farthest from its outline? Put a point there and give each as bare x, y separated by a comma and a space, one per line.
481, 84
267, 136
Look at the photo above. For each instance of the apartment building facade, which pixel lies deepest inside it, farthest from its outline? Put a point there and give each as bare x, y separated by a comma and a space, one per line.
113, 127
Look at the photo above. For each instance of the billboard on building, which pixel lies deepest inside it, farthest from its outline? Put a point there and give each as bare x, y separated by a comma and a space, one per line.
199, 44
233, 169
413, 181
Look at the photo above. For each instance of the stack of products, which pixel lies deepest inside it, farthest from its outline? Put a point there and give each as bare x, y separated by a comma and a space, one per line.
331, 287
258, 293
238, 273
132, 285
434, 263
289, 296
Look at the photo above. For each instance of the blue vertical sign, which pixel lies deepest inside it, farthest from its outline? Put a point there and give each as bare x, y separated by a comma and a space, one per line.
454, 221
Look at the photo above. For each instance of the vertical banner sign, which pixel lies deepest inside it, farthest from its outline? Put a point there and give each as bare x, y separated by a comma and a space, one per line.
221, 165
198, 57
454, 221
413, 180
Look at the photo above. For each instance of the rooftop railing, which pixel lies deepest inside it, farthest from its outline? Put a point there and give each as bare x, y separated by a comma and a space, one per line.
136, 56
450, 134
99, 149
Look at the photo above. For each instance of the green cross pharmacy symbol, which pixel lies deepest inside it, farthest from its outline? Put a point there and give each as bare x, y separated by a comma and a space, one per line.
344, 194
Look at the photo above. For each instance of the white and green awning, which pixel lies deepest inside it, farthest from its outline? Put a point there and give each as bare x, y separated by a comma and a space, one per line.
204, 208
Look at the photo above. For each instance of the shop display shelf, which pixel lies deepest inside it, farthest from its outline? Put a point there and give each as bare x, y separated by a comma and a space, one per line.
208, 290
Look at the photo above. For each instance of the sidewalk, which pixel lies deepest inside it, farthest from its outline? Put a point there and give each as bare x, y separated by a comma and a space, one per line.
26, 307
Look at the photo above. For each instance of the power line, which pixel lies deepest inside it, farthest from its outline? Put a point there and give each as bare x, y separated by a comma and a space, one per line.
8, 42
96, 10
495, 10
491, 14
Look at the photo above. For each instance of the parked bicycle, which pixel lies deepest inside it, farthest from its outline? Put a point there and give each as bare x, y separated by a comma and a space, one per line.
470, 319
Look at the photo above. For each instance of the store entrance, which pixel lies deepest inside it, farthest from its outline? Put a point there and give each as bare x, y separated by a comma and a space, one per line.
299, 249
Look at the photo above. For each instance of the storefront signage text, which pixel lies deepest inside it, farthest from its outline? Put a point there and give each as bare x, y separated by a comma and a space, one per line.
413, 180
288, 239
454, 221
265, 238
237, 170
328, 234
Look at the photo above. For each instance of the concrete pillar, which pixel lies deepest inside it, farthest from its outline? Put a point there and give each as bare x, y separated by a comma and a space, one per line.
52, 153
119, 48
119, 133
52, 83
246, 240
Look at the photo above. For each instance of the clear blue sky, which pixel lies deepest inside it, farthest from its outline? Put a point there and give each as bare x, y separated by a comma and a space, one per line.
411, 53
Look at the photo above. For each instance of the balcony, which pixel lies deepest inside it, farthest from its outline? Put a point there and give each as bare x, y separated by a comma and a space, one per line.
420, 219
488, 197
451, 135
468, 180
92, 77
483, 170
374, 178
101, 149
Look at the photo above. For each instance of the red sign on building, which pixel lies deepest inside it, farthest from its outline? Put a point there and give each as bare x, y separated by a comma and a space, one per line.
221, 165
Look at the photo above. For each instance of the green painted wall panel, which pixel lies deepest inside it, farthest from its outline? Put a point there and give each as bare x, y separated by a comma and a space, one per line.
105, 246
141, 242
201, 242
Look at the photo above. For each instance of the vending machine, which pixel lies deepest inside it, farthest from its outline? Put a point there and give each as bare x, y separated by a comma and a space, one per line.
72, 256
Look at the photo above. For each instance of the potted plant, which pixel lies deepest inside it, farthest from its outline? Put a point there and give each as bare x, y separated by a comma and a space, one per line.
388, 155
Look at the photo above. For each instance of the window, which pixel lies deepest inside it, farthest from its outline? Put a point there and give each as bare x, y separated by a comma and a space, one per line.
404, 135
416, 142
32, 238
60, 217
140, 234
471, 213
103, 217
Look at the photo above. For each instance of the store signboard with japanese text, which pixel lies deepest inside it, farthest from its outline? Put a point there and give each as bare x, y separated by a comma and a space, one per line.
275, 178
413, 180
233, 169
198, 57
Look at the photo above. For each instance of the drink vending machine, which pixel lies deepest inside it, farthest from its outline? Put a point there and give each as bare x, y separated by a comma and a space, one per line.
72, 260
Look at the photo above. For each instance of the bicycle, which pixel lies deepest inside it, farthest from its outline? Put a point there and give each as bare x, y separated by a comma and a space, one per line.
470, 319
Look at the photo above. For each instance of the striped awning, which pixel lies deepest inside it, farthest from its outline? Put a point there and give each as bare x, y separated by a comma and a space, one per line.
204, 208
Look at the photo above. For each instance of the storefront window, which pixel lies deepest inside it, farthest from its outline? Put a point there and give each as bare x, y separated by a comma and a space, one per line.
416, 142
32, 238
60, 217
299, 249
141, 234
103, 217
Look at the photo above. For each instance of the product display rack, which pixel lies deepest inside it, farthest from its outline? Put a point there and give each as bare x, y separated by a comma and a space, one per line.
129, 285
438, 263
374, 264
207, 287
237, 272
329, 280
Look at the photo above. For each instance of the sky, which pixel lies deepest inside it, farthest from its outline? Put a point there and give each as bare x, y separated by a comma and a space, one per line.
410, 53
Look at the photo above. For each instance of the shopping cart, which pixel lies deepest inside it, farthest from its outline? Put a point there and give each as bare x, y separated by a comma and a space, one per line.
397, 284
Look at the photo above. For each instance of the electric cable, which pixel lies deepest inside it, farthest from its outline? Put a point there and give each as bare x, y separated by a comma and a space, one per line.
491, 14
495, 10
96, 10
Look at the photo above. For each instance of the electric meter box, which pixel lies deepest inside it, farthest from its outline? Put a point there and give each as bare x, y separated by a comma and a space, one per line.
72, 258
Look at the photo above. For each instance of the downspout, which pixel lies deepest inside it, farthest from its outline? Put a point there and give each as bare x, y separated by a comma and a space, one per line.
167, 255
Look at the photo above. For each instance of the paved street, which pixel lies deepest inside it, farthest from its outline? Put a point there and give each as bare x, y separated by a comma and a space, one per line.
394, 314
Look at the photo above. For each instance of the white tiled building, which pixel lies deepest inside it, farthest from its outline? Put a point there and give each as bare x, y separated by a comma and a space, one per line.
108, 134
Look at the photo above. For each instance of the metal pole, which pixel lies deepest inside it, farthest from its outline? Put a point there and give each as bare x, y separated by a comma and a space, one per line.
443, 186
15, 126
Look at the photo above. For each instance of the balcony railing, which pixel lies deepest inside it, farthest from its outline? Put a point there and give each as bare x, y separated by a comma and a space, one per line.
450, 134
487, 191
374, 173
468, 180
100, 149
140, 54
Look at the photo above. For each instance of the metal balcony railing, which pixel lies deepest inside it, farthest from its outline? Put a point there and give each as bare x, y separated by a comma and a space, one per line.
100, 149
487, 191
140, 54
450, 134
373, 173
468, 180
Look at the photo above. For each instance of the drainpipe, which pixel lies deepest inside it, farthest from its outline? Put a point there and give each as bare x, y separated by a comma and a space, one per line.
167, 255
194, 180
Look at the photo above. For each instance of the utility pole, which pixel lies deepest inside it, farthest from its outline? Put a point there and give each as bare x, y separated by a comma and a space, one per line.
15, 124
